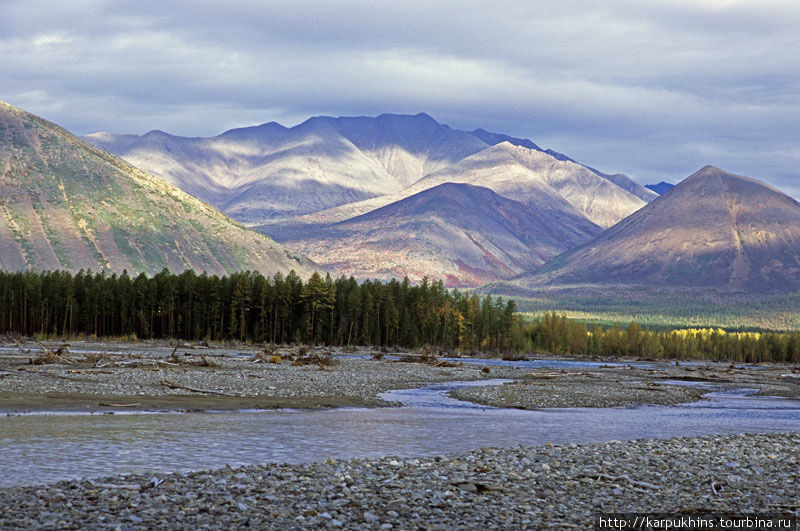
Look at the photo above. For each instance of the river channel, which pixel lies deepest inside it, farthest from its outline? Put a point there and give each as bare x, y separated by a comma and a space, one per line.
38, 449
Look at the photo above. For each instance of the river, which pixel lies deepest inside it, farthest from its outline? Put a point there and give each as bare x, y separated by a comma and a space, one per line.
39, 449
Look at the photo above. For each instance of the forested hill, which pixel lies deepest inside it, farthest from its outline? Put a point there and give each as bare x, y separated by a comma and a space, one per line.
65, 204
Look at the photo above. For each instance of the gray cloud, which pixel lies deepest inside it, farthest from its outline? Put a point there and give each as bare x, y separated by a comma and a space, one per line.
652, 89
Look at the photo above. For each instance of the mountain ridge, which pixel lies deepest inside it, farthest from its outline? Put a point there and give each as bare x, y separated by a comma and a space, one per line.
340, 161
660, 188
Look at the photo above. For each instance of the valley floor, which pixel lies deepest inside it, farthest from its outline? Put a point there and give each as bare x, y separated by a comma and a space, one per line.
157, 376
549, 486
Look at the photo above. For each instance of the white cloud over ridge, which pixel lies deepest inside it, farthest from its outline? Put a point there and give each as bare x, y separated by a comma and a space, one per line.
650, 89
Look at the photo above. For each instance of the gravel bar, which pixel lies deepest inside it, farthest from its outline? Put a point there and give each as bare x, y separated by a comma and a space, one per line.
591, 389
547, 486
621, 386
98, 376
147, 377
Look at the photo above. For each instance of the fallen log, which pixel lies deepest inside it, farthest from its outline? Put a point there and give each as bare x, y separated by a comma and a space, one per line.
173, 385
110, 404
153, 483
132, 364
126, 486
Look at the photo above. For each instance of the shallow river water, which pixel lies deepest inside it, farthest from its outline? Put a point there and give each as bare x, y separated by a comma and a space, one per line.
39, 449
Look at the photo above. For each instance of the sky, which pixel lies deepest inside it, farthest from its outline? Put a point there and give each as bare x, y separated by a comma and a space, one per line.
655, 90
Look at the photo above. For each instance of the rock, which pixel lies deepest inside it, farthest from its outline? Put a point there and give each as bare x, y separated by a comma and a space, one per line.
468, 487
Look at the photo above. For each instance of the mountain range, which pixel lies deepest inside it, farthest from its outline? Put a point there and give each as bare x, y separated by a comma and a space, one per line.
269, 173
68, 205
383, 197
303, 185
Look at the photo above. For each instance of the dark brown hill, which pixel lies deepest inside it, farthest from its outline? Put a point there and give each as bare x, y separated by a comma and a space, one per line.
714, 229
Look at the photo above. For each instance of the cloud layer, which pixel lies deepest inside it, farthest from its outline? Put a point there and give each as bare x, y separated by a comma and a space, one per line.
655, 90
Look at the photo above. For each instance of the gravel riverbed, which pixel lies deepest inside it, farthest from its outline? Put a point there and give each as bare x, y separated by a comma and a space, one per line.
585, 390
559, 487
147, 376
144, 377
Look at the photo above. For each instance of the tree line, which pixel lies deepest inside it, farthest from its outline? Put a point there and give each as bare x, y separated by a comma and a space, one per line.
284, 309
559, 335
248, 306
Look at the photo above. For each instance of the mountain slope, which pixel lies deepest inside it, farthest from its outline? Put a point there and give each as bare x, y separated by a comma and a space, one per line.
66, 204
259, 173
714, 229
619, 179
539, 179
269, 174
563, 189
464, 235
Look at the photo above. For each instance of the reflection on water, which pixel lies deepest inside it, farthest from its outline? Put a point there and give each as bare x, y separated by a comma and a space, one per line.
37, 449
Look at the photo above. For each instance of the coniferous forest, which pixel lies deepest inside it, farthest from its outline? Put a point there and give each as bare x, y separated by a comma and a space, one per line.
250, 307
285, 309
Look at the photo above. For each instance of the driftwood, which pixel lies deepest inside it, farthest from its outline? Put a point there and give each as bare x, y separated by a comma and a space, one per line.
139, 362
125, 486
445, 363
153, 483
202, 362
549, 375
109, 404
268, 351
597, 476
49, 356
322, 359
155, 363
173, 385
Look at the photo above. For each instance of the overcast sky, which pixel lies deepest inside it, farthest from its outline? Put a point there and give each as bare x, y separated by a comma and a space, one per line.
655, 90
